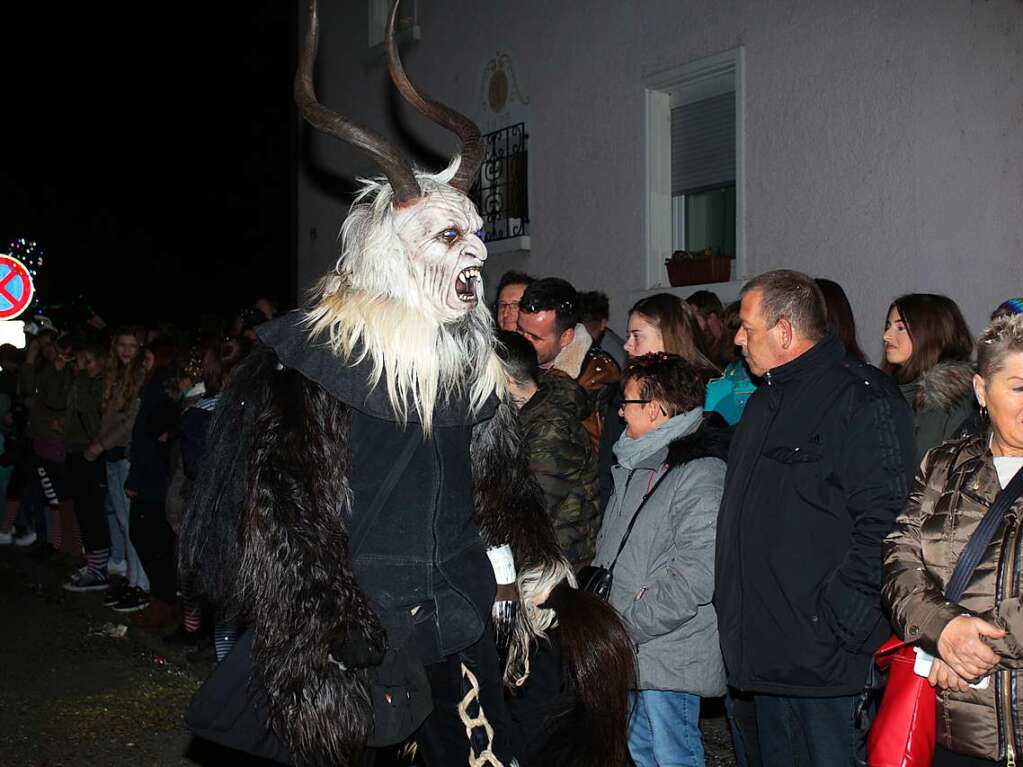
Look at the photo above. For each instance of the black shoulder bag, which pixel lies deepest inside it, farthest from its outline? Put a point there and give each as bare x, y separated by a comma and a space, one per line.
597, 580
981, 538
398, 687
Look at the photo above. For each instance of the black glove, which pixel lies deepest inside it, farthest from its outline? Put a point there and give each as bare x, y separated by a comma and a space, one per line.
356, 651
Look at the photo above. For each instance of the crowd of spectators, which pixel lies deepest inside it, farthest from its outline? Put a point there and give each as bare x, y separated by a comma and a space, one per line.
738, 467
750, 463
103, 433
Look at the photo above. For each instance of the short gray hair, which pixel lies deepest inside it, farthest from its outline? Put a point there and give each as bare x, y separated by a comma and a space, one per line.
794, 296
1001, 338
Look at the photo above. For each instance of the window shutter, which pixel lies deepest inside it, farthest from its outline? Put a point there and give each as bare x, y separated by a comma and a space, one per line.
703, 144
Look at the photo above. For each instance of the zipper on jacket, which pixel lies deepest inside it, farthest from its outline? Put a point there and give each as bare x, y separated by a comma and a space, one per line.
1003, 679
625, 494
625, 491
1014, 592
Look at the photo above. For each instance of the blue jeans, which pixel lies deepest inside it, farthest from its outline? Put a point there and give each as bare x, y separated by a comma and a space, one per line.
118, 509
742, 723
664, 730
809, 732
118, 531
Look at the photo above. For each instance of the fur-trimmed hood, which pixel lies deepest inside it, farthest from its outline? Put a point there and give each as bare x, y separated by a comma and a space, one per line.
943, 387
570, 359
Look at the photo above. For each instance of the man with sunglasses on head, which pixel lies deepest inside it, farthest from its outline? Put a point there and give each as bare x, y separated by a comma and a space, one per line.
549, 320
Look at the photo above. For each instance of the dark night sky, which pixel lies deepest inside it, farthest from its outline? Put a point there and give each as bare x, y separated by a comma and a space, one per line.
151, 156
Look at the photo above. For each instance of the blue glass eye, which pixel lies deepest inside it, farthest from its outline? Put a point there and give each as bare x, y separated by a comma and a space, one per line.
449, 234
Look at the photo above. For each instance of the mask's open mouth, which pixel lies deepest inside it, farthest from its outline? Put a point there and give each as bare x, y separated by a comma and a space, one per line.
465, 284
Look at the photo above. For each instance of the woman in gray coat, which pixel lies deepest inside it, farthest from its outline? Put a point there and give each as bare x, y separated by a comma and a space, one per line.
671, 470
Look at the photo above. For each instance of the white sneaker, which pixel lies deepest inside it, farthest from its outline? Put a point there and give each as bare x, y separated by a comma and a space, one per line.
87, 581
6, 539
25, 539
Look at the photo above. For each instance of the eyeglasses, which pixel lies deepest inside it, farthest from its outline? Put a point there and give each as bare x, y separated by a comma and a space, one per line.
502, 305
642, 402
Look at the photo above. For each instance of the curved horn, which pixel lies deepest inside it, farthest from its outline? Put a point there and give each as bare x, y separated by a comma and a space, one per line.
388, 157
457, 123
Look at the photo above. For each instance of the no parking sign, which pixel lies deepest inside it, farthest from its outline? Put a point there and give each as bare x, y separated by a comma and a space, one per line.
16, 287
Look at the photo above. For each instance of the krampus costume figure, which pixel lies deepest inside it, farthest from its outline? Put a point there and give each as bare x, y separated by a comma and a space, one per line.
362, 466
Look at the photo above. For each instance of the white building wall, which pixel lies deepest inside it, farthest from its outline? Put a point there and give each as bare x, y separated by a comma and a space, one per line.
884, 140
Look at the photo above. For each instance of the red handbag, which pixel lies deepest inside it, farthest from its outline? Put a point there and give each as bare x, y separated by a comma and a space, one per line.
906, 726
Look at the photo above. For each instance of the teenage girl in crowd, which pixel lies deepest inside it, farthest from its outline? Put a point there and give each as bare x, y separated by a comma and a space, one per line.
658, 323
124, 377
86, 474
148, 480
927, 349
840, 317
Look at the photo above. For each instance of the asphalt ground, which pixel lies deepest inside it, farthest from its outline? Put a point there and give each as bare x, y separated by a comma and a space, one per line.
72, 695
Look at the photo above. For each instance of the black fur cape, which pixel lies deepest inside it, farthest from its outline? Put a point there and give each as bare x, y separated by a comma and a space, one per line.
265, 540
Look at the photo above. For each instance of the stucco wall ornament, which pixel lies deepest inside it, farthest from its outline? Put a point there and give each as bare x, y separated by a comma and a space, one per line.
499, 86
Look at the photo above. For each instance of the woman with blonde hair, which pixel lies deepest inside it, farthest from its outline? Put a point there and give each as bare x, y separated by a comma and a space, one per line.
124, 376
977, 641
665, 323
658, 323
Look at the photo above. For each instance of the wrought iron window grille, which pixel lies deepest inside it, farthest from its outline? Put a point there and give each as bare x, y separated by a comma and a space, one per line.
501, 193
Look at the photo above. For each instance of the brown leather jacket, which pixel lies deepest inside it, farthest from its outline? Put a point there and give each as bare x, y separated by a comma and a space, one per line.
956, 486
594, 370
599, 371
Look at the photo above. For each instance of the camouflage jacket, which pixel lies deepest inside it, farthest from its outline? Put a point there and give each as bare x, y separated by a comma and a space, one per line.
562, 458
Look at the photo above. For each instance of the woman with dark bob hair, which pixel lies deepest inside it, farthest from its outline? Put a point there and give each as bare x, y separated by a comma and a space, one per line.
657, 537
978, 641
840, 317
927, 349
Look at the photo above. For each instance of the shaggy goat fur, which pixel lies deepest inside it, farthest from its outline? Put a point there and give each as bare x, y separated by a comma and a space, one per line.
510, 509
266, 538
373, 307
596, 648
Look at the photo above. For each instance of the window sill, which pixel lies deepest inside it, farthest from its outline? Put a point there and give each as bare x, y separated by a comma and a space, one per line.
508, 245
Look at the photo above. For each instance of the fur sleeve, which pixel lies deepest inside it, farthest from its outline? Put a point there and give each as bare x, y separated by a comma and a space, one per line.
271, 503
510, 509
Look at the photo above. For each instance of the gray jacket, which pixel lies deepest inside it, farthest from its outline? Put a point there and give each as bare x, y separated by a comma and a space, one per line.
664, 578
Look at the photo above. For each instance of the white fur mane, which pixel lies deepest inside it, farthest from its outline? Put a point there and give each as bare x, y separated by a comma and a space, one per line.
372, 306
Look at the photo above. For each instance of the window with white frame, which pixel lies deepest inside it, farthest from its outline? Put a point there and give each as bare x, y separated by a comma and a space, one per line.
694, 163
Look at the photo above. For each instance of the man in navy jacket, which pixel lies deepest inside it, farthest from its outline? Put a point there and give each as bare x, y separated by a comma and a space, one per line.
818, 469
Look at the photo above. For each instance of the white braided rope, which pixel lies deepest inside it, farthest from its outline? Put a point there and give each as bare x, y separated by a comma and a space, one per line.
486, 758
